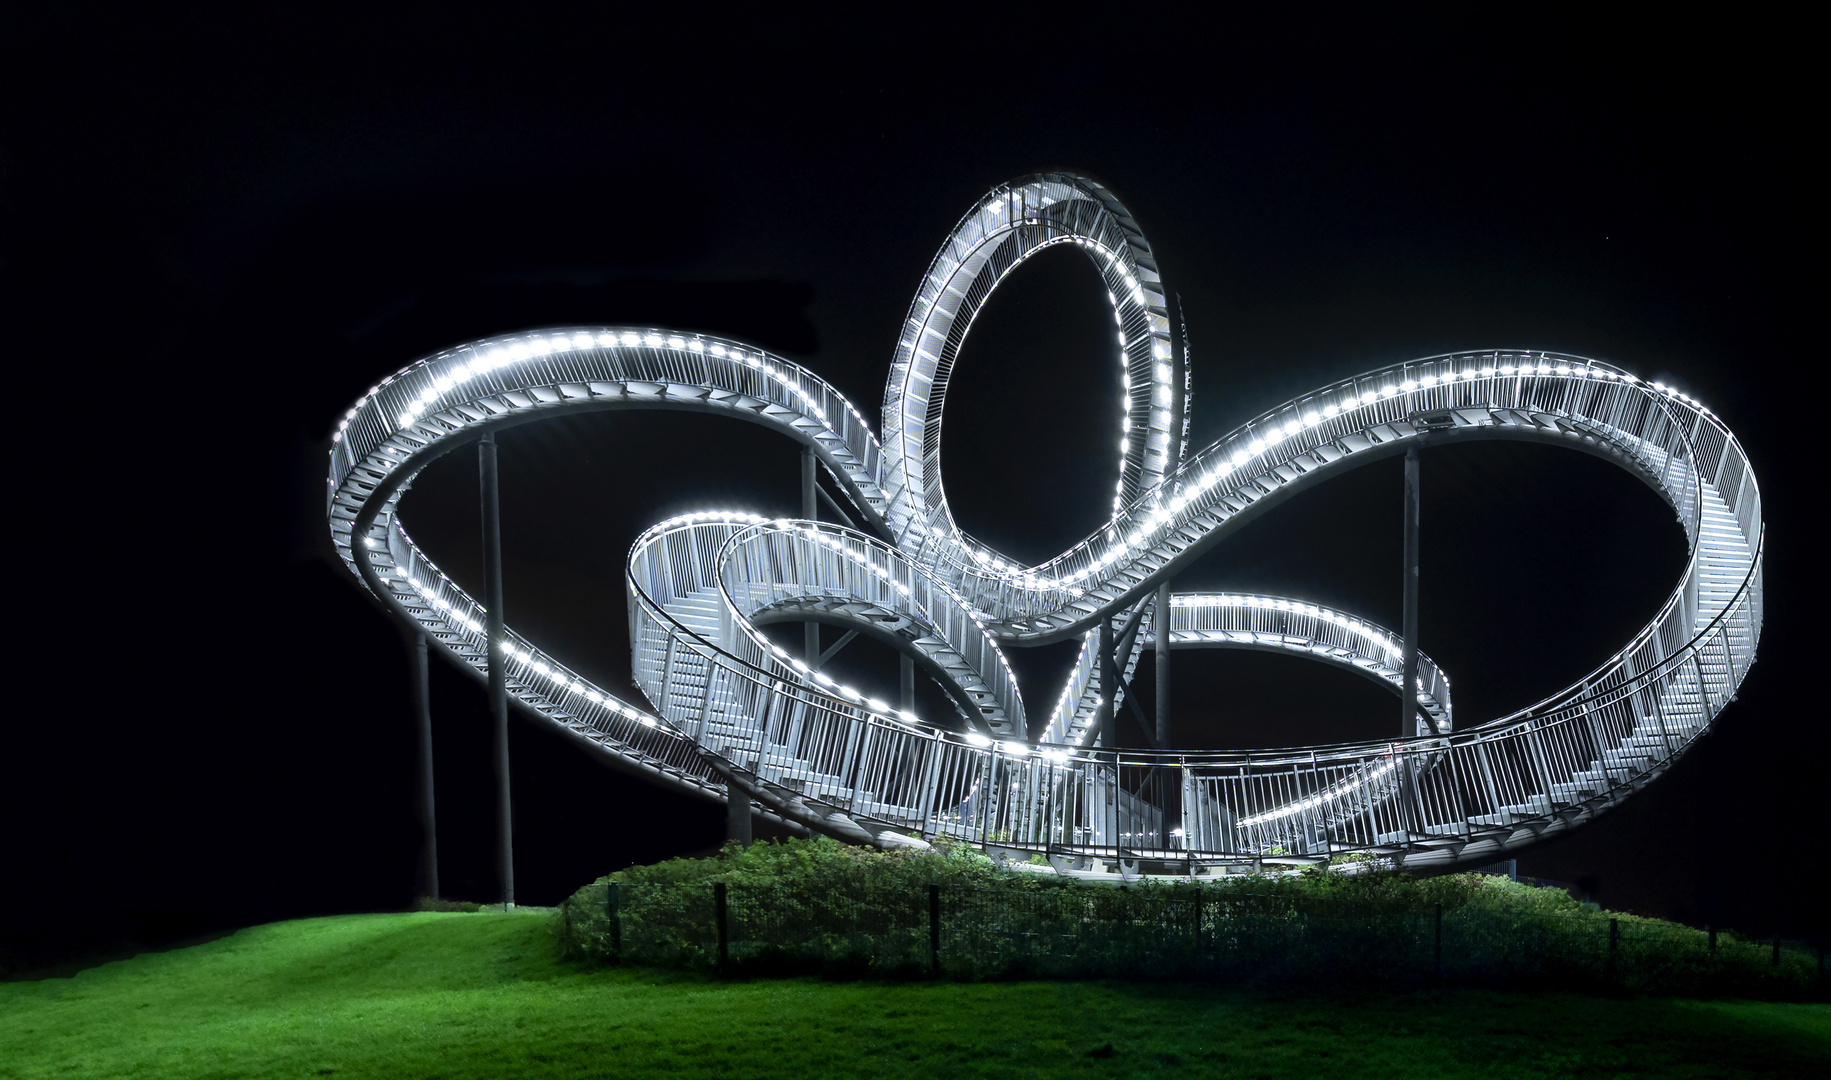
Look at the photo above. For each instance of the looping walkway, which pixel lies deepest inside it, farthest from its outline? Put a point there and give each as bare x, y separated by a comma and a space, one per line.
727, 707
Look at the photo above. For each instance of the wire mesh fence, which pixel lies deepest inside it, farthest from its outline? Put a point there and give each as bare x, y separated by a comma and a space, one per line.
1169, 932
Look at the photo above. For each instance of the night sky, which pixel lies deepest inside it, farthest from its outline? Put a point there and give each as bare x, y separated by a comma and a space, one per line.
208, 262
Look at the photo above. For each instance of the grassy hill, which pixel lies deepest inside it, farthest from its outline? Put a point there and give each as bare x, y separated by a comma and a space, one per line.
483, 995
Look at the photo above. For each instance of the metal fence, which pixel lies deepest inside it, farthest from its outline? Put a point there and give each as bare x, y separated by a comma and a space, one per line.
1169, 932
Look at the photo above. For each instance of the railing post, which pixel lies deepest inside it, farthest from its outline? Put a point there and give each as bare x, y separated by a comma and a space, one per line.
1614, 943
667, 673
931, 778
864, 760
1703, 689
934, 930
1487, 780
704, 722
1659, 713
611, 904
721, 927
1437, 954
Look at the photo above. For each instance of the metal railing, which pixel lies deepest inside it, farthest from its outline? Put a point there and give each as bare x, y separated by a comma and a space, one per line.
1159, 931
727, 707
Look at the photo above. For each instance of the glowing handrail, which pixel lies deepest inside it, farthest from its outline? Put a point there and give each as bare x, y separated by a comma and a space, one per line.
827, 757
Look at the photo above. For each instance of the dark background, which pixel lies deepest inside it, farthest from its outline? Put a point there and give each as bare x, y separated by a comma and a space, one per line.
209, 257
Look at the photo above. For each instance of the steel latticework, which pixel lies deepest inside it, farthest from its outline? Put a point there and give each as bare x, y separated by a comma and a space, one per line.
729, 710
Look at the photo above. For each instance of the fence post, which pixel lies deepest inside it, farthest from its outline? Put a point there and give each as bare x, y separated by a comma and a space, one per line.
934, 930
1614, 941
718, 916
1438, 958
616, 921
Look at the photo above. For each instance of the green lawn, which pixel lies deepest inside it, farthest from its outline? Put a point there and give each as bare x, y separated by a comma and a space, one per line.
436, 995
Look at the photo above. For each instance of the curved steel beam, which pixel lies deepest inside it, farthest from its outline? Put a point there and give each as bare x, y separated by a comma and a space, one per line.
725, 708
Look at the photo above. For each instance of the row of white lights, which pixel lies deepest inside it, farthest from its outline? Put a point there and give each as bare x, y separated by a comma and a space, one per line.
566, 682
554, 674
833, 543
570, 683
1160, 353
502, 355
1268, 436
1384, 641
1116, 265
1330, 794
801, 667
974, 738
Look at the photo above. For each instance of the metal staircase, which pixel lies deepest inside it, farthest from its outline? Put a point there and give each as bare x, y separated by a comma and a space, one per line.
727, 708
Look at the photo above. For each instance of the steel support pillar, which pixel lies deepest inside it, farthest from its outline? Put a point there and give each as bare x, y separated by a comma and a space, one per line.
1161, 623
737, 814
1408, 698
906, 701
423, 805
810, 510
1408, 688
1109, 684
498, 664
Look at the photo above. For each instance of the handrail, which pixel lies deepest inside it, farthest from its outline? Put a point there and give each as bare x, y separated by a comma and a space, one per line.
727, 707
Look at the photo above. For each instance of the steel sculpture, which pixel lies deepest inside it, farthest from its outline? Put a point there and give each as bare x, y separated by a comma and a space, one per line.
729, 711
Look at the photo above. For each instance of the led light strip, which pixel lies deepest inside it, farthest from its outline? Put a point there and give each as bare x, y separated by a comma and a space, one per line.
444, 401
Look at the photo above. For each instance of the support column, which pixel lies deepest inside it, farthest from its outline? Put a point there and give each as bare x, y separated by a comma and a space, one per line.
1408, 687
810, 510
1161, 623
498, 665
1109, 684
737, 814
1408, 705
429, 830
907, 672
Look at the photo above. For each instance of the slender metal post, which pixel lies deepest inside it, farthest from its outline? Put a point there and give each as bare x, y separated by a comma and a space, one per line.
1162, 625
810, 510
934, 930
498, 666
721, 927
616, 920
422, 707
1437, 952
1109, 684
1408, 690
1614, 943
1408, 704
907, 673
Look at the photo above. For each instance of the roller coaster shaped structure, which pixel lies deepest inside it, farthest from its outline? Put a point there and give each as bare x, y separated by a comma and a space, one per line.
729, 710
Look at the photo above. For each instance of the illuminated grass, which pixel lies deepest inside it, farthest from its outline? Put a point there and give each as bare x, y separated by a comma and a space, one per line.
438, 995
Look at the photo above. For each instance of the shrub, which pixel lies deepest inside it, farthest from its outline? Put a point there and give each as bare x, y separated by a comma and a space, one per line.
822, 906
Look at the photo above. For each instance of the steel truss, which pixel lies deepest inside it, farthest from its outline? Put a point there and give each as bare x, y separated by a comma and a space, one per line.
729, 710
